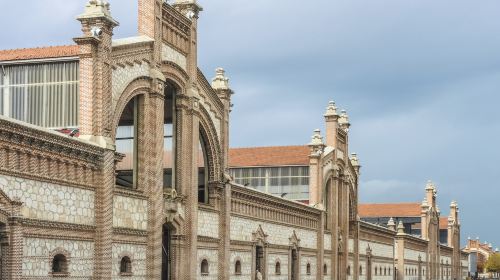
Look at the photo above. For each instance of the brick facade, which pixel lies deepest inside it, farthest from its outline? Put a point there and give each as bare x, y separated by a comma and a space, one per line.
58, 194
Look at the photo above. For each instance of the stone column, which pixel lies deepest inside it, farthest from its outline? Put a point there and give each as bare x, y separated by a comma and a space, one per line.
320, 245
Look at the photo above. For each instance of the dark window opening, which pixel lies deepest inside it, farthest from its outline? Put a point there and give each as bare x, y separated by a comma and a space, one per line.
126, 266
204, 267
237, 268
59, 264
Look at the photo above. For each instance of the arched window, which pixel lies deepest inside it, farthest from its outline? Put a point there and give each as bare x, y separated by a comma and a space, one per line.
349, 270
126, 143
277, 268
237, 267
202, 171
385, 271
308, 269
59, 264
325, 269
204, 267
169, 127
376, 270
360, 270
125, 266
327, 201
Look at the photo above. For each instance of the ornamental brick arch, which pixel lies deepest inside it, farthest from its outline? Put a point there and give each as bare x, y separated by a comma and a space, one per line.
139, 86
212, 147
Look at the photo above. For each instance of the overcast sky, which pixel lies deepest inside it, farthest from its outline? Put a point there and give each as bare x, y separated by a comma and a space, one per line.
419, 79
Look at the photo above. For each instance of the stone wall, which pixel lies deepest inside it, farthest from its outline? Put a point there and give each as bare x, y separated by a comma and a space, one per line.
171, 55
378, 249
242, 229
51, 202
38, 254
245, 259
271, 266
130, 212
212, 256
137, 255
413, 255
328, 276
304, 260
327, 241
208, 224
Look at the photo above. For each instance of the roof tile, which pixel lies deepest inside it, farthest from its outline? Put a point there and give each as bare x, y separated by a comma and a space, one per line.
39, 53
269, 156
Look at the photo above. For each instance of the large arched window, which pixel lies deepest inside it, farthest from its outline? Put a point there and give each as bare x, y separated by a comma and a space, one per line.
325, 269
202, 171
308, 269
327, 201
169, 126
59, 264
126, 143
349, 270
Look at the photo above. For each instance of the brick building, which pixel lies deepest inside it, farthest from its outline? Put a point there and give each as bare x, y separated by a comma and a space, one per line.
114, 164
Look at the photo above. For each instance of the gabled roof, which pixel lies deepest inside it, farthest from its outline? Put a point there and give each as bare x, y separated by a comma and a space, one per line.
39, 53
269, 156
389, 210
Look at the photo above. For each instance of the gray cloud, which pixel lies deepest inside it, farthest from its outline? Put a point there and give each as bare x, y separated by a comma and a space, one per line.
420, 80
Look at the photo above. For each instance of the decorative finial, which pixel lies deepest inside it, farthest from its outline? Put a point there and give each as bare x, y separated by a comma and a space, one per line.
430, 186
331, 109
220, 81
97, 9
354, 160
453, 204
316, 139
401, 228
344, 119
391, 224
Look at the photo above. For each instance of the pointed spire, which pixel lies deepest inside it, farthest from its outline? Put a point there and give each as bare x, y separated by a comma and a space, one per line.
331, 109
391, 225
220, 81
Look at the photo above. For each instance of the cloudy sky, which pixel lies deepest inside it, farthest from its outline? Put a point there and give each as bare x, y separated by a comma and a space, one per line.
419, 79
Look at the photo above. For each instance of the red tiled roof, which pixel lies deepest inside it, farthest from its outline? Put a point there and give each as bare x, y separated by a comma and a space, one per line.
443, 222
389, 210
39, 53
269, 156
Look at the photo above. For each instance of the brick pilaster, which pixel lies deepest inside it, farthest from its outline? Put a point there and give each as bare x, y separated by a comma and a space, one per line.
154, 116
